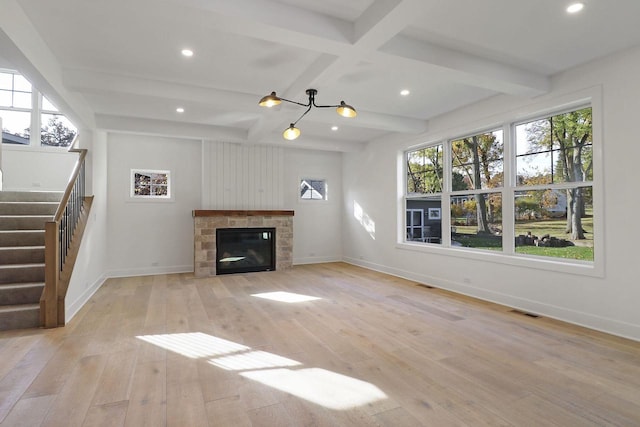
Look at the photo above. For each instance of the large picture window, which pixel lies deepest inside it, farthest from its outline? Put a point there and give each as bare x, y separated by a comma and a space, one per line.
533, 185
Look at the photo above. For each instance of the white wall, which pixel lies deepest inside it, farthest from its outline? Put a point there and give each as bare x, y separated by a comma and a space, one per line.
606, 301
317, 224
151, 236
39, 169
91, 265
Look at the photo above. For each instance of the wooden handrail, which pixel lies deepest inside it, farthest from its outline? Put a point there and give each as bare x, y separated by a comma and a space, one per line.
58, 235
74, 176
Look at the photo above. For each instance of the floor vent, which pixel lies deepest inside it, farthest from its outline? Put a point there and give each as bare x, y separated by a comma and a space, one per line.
524, 313
422, 285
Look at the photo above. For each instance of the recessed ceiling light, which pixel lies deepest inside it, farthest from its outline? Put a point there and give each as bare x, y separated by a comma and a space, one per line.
575, 7
187, 52
405, 92
334, 128
180, 110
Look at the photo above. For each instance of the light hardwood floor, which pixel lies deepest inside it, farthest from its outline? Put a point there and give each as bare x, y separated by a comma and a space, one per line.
373, 350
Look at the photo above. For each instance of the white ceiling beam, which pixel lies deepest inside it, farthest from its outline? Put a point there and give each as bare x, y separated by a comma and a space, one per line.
314, 143
384, 19
89, 81
273, 21
119, 124
464, 68
145, 126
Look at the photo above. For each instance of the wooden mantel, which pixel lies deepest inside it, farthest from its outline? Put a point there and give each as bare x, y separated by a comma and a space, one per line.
240, 213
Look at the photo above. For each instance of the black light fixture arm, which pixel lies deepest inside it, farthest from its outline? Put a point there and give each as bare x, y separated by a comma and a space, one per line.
303, 114
312, 103
292, 132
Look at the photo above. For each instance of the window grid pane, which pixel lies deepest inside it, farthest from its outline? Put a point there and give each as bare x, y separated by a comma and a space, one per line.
556, 149
424, 170
15, 127
478, 161
56, 131
546, 226
476, 221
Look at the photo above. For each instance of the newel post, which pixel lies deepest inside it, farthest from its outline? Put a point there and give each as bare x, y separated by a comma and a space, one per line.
49, 300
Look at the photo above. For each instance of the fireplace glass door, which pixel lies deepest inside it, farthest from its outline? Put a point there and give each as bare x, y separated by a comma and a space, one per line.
243, 250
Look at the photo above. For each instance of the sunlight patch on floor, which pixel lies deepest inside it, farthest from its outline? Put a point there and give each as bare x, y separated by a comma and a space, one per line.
252, 360
282, 296
319, 386
194, 345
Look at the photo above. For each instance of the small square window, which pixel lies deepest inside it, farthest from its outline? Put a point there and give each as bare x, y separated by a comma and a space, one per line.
150, 184
313, 189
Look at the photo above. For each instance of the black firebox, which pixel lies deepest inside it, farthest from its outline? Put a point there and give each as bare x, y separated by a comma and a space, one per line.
244, 250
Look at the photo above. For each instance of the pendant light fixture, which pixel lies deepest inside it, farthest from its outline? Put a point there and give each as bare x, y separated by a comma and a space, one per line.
292, 132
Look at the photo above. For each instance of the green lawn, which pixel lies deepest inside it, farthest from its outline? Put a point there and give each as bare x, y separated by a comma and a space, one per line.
571, 252
583, 249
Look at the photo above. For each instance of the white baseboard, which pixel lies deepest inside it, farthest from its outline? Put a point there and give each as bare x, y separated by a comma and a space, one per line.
151, 271
316, 260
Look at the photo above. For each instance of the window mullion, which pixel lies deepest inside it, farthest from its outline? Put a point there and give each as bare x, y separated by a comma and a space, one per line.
35, 134
446, 194
508, 191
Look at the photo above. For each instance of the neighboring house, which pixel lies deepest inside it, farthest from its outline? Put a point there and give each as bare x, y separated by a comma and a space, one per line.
9, 138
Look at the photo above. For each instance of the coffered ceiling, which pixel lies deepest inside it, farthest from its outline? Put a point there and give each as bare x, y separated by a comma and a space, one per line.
117, 64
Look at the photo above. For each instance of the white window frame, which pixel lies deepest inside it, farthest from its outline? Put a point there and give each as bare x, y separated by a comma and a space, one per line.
591, 97
312, 200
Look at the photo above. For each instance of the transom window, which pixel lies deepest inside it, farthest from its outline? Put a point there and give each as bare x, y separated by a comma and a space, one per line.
23, 108
541, 197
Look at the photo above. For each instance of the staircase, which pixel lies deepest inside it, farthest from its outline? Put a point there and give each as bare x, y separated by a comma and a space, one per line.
22, 219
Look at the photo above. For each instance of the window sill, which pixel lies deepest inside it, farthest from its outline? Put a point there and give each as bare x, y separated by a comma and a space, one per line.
583, 268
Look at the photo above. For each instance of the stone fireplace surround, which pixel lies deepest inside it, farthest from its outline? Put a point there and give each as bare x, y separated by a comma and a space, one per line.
207, 221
